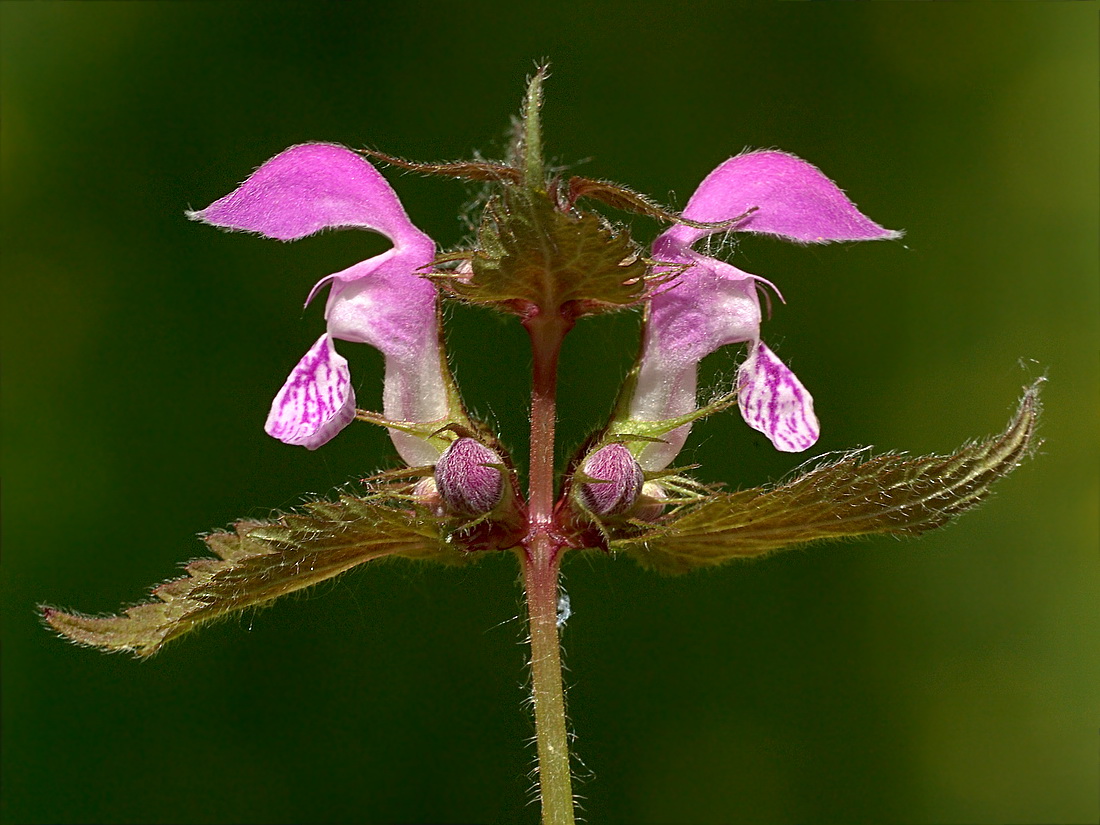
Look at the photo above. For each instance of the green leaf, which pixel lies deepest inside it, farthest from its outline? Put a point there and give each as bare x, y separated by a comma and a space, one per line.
853, 496
257, 562
532, 252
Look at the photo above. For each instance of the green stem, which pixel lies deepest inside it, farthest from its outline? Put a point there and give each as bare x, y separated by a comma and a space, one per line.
533, 175
542, 549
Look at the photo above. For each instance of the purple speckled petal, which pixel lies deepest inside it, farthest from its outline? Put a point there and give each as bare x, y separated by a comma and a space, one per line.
317, 400
773, 401
793, 198
312, 187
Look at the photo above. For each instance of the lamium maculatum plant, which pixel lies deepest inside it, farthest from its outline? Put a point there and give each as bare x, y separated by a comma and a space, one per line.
541, 256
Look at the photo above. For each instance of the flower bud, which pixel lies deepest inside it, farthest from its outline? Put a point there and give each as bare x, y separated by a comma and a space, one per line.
426, 493
467, 483
617, 481
651, 503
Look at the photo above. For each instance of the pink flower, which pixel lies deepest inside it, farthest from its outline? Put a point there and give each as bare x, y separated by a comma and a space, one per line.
382, 301
711, 303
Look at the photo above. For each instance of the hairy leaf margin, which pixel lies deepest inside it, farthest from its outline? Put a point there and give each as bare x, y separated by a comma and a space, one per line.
855, 495
259, 561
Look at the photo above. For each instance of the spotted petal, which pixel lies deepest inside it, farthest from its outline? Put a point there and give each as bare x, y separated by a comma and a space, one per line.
773, 401
316, 402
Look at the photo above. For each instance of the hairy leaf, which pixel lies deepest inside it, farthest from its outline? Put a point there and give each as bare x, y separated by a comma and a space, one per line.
854, 496
622, 197
480, 170
531, 252
257, 562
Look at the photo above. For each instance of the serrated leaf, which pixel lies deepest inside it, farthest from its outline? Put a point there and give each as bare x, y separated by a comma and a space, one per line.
855, 496
531, 252
257, 562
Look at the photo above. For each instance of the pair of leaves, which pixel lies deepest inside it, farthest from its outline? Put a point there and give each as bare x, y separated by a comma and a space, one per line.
854, 496
260, 561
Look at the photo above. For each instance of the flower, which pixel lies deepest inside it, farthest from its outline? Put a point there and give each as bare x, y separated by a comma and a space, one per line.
711, 304
382, 301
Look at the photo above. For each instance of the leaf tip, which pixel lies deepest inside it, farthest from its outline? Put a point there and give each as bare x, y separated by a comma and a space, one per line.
89, 631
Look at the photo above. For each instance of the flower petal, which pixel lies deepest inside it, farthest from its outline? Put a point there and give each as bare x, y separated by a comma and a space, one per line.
316, 402
793, 199
384, 302
710, 305
312, 187
773, 401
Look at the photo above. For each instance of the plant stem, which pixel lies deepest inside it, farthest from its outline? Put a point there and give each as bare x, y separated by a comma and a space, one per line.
555, 782
532, 134
542, 548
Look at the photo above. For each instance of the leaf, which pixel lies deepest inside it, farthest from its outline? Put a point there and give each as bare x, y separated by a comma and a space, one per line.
479, 170
531, 252
257, 562
855, 496
622, 197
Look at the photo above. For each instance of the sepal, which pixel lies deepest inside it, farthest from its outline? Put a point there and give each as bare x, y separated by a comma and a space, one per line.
435, 436
656, 443
475, 170
621, 197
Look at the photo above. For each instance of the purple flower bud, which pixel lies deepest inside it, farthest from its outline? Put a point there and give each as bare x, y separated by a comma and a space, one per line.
468, 483
620, 481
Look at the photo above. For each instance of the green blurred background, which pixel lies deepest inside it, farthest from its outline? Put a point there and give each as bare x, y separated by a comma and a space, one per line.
952, 679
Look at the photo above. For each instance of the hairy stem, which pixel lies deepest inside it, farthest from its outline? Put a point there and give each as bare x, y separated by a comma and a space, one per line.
542, 548
532, 135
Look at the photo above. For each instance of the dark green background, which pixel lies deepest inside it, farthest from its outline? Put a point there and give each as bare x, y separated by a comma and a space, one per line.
952, 679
